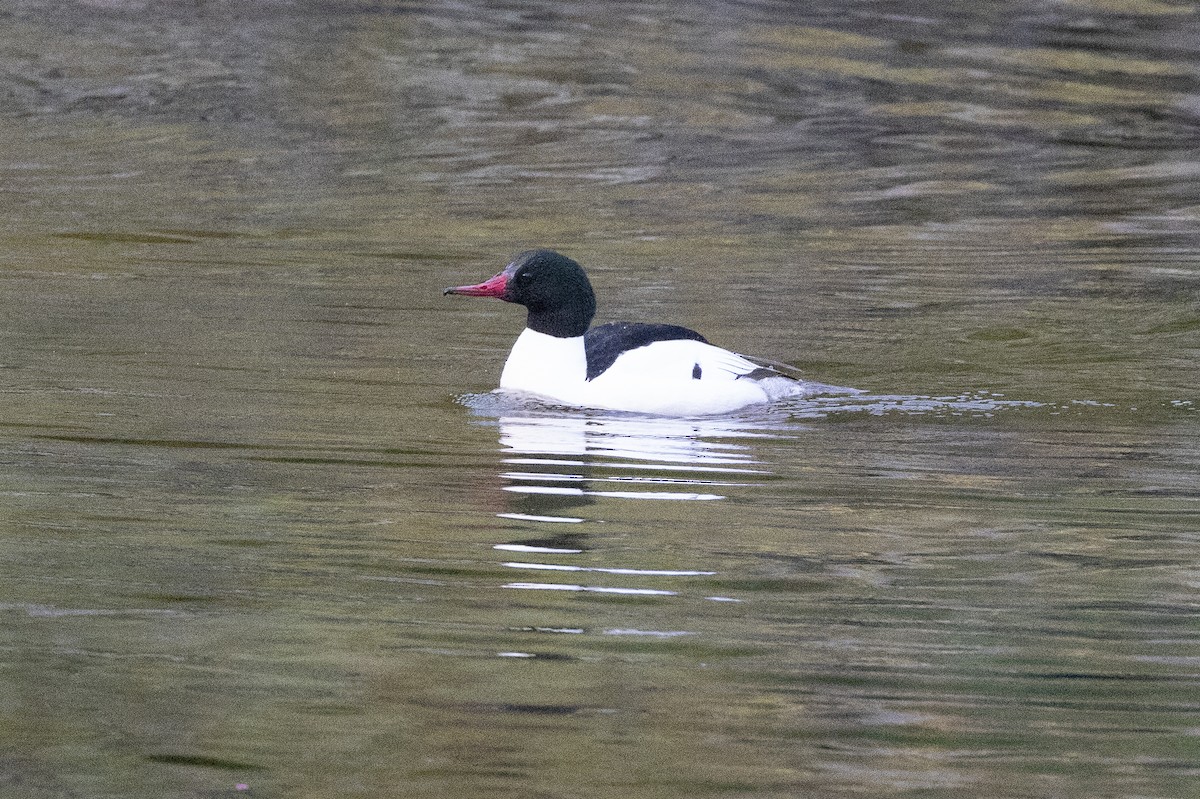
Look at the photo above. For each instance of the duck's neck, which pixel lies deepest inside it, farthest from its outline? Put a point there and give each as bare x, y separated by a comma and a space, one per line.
566, 316
545, 364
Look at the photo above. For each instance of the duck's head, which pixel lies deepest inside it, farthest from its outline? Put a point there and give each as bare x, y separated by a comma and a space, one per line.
554, 289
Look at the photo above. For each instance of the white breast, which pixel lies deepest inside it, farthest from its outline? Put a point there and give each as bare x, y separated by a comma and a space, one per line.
546, 365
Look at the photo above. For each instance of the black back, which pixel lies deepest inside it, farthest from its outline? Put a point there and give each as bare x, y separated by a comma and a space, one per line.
604, 344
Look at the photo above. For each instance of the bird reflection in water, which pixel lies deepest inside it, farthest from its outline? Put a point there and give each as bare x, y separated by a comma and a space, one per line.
558, 469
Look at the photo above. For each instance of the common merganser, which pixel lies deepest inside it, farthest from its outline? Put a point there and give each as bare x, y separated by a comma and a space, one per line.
622, 366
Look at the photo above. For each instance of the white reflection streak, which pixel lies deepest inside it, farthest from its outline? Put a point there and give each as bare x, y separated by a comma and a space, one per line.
664, 440
531, 548
589, 588
557, 630
642, 572
568, 478
579, 492
529, 517
639, 466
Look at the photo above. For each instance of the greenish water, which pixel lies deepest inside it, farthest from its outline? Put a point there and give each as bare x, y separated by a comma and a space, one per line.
264, 532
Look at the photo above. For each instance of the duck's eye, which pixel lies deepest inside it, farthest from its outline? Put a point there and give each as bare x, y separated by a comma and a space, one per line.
524, 277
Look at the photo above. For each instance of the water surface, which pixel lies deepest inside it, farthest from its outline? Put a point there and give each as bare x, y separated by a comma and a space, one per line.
265, 530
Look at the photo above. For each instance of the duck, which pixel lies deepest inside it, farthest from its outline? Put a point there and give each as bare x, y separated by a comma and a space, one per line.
636, 367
